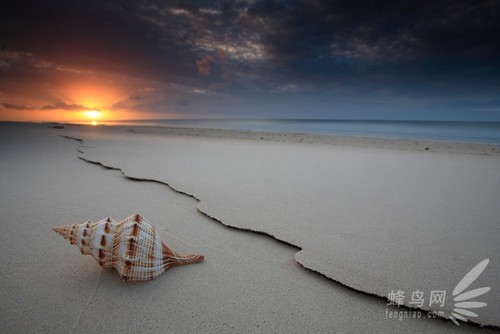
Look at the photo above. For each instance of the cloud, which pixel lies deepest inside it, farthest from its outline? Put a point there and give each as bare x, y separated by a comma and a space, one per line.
265, 43
28, 61
136, 97
15, 106
204, 65
65, 106
54, 106
8, 59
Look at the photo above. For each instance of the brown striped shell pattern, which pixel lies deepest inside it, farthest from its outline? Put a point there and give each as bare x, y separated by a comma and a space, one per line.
132, 246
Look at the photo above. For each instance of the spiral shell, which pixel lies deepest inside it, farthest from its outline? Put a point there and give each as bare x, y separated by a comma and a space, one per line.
133, 247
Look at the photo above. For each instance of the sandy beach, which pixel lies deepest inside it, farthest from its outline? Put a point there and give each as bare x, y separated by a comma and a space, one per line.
300, 233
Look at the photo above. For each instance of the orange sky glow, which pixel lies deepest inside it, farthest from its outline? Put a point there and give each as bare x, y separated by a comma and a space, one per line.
38, 90
76, 100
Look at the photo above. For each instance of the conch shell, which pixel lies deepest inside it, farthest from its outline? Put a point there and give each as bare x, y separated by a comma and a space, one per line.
133, 247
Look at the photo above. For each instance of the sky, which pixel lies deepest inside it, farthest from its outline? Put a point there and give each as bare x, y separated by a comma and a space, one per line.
389, 60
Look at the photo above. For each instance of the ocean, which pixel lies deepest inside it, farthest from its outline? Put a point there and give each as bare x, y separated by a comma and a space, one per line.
469, 132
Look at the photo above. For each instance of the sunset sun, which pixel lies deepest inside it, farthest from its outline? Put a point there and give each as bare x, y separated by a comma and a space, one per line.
93, 114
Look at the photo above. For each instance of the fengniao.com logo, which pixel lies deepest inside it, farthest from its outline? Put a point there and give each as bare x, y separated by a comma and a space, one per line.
463, 301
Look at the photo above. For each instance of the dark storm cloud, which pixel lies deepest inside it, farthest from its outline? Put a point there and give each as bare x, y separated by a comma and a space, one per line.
298, 37
414, 48
435, 39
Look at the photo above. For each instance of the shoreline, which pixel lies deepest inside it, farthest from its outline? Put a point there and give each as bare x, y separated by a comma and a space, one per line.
404, 144
308, 138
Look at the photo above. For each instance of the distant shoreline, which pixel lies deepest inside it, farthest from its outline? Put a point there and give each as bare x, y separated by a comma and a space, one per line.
289, 137
441, 131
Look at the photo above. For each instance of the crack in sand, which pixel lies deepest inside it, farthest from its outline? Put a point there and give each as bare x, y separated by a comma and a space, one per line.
88, 302
263, 233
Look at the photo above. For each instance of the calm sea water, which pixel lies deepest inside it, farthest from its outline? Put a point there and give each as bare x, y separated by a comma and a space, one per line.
474, 132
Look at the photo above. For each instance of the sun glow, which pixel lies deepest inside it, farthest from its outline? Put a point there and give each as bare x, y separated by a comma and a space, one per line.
93, 114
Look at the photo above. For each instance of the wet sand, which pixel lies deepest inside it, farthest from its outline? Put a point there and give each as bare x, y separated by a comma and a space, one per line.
340, 209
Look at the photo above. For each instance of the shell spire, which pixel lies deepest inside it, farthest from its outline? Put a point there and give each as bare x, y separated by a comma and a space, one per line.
59, 230
132, 246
